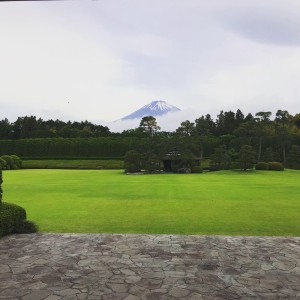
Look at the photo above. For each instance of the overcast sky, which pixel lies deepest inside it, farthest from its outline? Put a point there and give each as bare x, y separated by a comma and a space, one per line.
101, 60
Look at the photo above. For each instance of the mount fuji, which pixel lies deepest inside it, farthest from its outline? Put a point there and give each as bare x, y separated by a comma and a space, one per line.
154, 109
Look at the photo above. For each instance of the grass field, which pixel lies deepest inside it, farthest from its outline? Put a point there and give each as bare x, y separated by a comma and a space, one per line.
226, 202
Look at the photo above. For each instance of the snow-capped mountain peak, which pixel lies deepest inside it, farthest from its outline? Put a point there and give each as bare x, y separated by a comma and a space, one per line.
154, 108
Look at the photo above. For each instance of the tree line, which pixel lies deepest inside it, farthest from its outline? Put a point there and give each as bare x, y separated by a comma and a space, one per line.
273, 139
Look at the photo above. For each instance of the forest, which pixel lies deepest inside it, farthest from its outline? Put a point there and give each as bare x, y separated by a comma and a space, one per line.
272, 138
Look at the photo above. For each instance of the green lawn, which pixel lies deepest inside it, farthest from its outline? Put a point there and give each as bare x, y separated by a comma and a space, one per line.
227, 202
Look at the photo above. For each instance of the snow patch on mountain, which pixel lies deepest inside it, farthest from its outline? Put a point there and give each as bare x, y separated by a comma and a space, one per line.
155, 108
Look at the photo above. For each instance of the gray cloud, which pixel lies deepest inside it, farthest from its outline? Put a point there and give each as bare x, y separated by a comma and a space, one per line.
270, 22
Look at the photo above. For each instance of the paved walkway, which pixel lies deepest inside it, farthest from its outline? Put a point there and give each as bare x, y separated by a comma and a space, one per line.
99, 266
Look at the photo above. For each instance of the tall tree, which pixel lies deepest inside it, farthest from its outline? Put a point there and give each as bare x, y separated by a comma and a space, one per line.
263, 121
5, 129
246, 157
149, 125
282, 128
202, 132
186, 128
1, 191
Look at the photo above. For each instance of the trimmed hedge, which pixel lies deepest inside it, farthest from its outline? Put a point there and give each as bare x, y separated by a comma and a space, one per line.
13, 220
262, 166
197, 169
271, 166
276, 166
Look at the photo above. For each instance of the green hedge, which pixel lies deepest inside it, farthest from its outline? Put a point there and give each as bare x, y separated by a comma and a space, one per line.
13, 220
276, 166
197, 169
272, 166
262, 166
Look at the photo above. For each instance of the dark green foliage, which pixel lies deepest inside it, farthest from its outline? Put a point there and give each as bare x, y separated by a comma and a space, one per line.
70, 147
132, 161
235, 165
221, 159
33, 137
150, 162
262, 166
17, 161
149, 126
293, 158
275, 166
1, 191
268, 155
9, 162
26, 227
11, 217
246, 157
95, 164
2, 164
197, 169
13, 220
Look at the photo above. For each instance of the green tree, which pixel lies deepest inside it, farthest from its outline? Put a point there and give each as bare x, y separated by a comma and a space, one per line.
149, 125
268, 155
293, 158
201, 133
282, 129
186, 128
132, 161
5, 129
221, 159
246, 157
1, 191
263, 123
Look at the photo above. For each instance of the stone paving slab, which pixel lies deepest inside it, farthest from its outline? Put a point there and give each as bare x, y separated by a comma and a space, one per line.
131, 267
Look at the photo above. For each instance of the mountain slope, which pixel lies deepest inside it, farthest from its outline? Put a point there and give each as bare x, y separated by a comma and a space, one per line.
155, 108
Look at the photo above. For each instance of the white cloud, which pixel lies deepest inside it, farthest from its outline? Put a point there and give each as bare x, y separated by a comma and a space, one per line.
101, 60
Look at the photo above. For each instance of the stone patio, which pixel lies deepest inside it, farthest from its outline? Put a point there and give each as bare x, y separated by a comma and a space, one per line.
104, 266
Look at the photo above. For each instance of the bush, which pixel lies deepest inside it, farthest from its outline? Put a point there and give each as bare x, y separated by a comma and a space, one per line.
13, 220
17, 161
293, 158
131, 168
132, 161
262, 166
26, 227
214, 168
197, 169
9, 162
2, 164
234, 165
275, 166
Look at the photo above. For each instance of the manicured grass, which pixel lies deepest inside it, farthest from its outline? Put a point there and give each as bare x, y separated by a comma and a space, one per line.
227, 202
73, 164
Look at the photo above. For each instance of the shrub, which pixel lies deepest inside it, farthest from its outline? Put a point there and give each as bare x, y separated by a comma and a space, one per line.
1, 191
132, 161
197, 169
234, 165
2, 164
214, 168
9, 162
17, 161
262, 166
13, 220
275, 166
26, 227
293, 158
246, 157
131, 168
